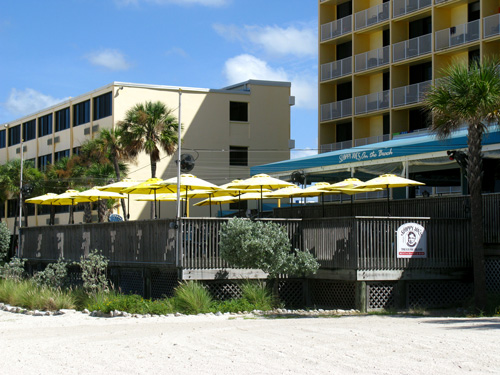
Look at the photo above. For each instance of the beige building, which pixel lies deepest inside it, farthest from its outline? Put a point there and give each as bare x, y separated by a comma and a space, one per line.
377, 58
228, 130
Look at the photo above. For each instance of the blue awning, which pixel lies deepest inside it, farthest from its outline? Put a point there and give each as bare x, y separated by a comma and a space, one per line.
377, 151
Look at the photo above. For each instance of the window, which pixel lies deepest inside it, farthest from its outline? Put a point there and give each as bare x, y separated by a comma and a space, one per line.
12, 208
15, 135
45, 125
62, 119
3, 138
76, 150
61, 154
29, 130
44, 161
81, 113
238, 156
238, 111
102, 106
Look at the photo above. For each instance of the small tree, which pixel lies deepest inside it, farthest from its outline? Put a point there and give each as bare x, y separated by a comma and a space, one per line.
55, 275
265, 246
94, 272
4, 240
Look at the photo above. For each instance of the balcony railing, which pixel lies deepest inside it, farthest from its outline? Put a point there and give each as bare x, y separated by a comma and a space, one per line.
412, 48
457, 35
372, 59
410, 94
371, 16
440, 1
371, 140
336, 28
401, 7
336, 69
335, 110
329, 147
372, 102
491, 25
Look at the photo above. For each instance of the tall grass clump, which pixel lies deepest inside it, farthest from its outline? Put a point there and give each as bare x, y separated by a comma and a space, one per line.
133, 304
257, 295
191, 297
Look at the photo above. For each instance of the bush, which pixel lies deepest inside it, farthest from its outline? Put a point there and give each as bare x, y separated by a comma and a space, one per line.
94, 272
55, 275
257, 295
14, 270
192, 298
4, 240
265, 246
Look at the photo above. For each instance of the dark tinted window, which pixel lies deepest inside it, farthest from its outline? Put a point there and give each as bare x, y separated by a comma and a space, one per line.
44, 161
238, 111
420, 27
45, 125
81, 113
61, 154
238, 155
29, 130
15, 135
62, 119
344, 132
102, 106
3, 138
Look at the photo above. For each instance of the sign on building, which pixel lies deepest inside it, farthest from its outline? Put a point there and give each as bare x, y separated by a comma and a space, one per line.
411, 241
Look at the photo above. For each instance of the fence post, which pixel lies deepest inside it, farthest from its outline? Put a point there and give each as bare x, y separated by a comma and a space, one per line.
360, 296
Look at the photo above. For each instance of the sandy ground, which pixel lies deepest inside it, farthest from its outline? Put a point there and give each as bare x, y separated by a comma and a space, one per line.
79, 344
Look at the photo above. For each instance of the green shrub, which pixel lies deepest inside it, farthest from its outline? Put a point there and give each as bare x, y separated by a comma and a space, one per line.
4, 240
13, 270
94, 272
257, 295
192, 298
134, 304
55, 275
263, 245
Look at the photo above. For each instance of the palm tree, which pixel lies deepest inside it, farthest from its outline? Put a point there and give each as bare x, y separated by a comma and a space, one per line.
108, 148
148, 127
471, 96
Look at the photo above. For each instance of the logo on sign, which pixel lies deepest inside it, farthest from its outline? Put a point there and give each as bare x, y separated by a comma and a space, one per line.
411, 241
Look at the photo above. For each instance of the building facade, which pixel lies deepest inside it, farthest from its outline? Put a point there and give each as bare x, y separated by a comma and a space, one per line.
227, 130
377, 58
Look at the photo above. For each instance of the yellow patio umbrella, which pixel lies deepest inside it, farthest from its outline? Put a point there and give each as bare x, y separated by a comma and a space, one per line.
287, 192
217, 200
189, 182
237, 191
118, 187
319, 189
348, 183
163, 197
150, 186
70, 198
387, 181
97, 195
45, 199
261, 181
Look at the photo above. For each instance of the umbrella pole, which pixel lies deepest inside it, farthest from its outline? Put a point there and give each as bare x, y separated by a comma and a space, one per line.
154, 192
323, 204
260, 209
220, 209
388, 202
210, 204
128, 208
352, 204
239, 203
186, 204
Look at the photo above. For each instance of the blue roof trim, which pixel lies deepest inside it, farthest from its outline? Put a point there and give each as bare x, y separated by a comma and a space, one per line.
377, 151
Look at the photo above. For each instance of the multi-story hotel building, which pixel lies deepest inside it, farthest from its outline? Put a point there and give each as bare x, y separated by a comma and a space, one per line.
228, 130
377, 58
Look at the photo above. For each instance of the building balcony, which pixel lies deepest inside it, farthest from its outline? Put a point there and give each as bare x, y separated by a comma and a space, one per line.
371, 140
457, 35
410, 94
402, 7
371, 16
412, 48
371, 59
336, 28
336, 69
491, 25
329, 147
335, 110
372, 102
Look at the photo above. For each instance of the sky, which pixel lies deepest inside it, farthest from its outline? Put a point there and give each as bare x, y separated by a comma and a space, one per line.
55, 49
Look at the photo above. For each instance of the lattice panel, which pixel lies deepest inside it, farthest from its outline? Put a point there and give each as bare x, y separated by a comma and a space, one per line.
131, 281
332, 294
163, 283
75, 277
493, 275
438, 294
291, 293
381, 295
223, 290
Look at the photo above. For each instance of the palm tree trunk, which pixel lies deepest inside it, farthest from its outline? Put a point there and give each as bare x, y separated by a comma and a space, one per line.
118, 178
474, 172
102, 207
87, 213
52, 217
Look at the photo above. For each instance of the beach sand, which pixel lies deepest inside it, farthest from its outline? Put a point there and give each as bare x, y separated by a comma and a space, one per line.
75, 343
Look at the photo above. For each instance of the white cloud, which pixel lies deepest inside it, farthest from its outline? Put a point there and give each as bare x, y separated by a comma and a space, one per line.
109, 58
210, 3
177, 51
245, 67
273, 39
295, 154
24, 102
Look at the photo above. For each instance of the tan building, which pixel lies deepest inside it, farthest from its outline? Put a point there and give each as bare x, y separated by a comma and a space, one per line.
377, 58
228, 130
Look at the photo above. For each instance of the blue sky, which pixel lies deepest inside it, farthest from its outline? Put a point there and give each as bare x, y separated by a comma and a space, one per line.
52, 50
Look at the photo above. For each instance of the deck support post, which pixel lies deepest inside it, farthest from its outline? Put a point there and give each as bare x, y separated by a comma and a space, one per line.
360, 296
